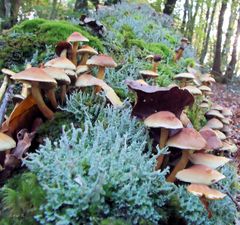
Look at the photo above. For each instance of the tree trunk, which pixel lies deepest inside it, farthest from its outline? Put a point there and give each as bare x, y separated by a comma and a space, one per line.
216, 68
169, 7
232, 64
206, 42
81, 5
53, 14
183, 26
230, 33
15, 5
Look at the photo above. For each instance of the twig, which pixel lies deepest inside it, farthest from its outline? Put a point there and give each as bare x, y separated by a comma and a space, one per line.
230, 196
5, 101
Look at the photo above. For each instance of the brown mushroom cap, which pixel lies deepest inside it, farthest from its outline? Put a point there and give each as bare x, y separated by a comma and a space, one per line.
62, 45
217, 107
213, 142
220, 134
214, 113
8, 72
226, 121
227, 112
184, 76
209, 160
204, 105
228, 146
148, 74
101, 60
199, 174
188, 139
205, 88
203, 190
75, 37
6, 142
58, 74
60, 62
226, 129
193, 90
214, 124
163, 119
35, 74
87, 49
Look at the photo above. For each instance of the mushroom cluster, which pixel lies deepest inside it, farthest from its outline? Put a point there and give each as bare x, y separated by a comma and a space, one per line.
44, 88
191, 156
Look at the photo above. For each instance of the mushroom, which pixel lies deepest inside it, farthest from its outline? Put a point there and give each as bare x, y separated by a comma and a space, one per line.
199, 174
214, 113
220, 134
6, 142
86, 51
7, 73
148, 74
188, 139
64, 49
156, 61
86, 80
39, 80
193, 90
217, 107
62, 79
204, 193
209, 160
76, 37
184, 78
164, 120
226, 112
214, 124
212, 140
102, 61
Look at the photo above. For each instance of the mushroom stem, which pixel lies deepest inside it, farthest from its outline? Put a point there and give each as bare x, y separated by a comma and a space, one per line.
206, 204
52, 97
74, 53
63, 92
155, 66
3, 87
100, 75
84, 59
64, 53
25, 90
162, 143
180, 166
40, 103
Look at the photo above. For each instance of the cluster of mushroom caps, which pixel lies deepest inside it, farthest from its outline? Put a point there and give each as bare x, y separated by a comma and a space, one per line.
66, 71
197, 154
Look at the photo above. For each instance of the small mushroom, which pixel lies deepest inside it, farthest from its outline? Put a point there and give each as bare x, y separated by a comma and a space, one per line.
188, 139
86, 51
184, 78
102, 61
64, 49
214, 123
209, 160
76, 37
6, 142
200, 174
166, 121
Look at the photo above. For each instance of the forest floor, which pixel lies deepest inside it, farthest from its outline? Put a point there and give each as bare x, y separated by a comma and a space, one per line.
229, 96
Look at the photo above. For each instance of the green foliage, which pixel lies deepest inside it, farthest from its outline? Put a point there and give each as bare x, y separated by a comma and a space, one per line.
196, 115
21, 199
100, 171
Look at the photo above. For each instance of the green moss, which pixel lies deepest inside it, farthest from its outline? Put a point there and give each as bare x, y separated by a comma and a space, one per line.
21, 198
52, 32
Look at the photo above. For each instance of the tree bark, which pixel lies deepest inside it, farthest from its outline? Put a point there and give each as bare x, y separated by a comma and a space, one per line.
169, 7
232, 64
216, 68
206, 41
183, 26
229, 33
53, 14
